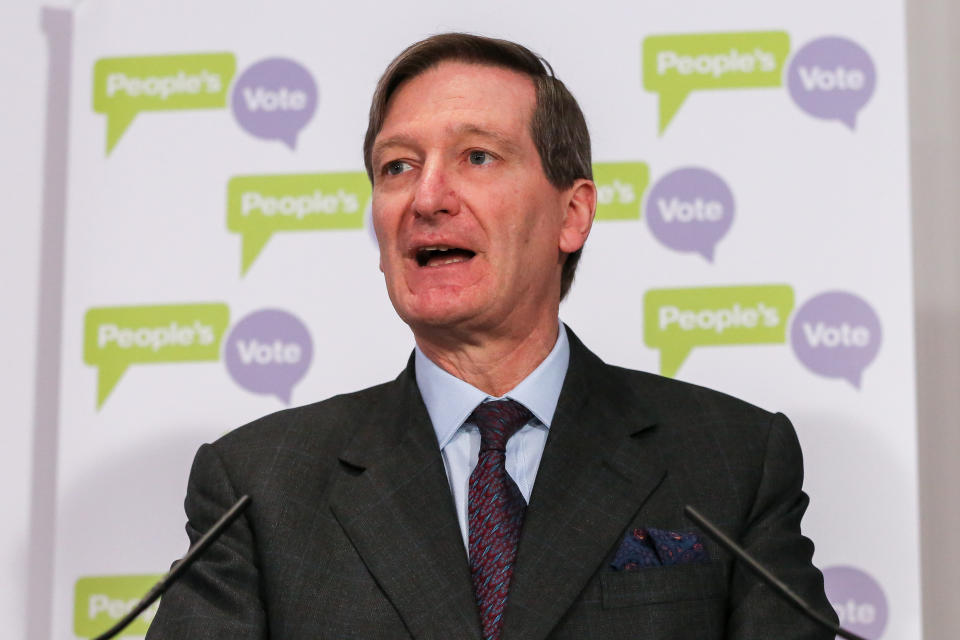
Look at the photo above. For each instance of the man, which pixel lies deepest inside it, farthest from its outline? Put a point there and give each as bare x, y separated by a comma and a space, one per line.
417, 509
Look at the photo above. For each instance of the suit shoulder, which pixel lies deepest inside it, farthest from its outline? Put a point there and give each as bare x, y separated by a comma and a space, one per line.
674, 401
703, 424
327, 421
688, 402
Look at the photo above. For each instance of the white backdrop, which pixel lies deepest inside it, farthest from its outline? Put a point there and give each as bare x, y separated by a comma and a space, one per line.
22, 130
818, 207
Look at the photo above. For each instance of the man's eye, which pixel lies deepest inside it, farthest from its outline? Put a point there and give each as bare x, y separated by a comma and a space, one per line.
396, 167
480, 157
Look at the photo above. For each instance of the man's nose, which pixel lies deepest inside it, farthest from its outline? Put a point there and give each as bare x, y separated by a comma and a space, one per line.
436, 192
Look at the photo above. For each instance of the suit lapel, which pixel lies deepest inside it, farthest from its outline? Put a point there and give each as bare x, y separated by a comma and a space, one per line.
393, 501
594, 476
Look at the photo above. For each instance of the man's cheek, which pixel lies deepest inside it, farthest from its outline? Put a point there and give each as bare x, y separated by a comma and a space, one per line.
378, 227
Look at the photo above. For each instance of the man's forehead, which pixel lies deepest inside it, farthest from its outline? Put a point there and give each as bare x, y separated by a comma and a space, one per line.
470, 71
492, 99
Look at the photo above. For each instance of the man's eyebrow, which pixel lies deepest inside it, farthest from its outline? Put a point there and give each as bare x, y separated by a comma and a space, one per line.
403, 140
491, 134
399, 140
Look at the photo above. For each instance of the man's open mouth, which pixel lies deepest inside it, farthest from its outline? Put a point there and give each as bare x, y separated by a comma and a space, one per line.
440, 255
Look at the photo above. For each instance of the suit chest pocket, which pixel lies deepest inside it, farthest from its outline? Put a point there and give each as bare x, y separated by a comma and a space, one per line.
675, 583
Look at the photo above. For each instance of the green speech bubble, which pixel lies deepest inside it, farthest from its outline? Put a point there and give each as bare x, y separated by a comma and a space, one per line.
259, 206
620, 189
123, 87
100, 601
675, 65
116, 337
677, 320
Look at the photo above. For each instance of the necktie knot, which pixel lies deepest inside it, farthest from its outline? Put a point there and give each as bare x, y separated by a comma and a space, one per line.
498, 421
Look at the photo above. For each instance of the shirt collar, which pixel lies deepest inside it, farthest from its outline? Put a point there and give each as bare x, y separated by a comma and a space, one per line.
450, 400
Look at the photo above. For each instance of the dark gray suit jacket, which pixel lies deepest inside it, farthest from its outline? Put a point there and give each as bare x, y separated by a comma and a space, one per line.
352, 531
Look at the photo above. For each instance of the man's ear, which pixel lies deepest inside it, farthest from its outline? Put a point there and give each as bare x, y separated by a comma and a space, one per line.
580, 206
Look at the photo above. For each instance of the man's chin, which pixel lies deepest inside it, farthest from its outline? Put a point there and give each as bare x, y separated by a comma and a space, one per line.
438, 318
441, 313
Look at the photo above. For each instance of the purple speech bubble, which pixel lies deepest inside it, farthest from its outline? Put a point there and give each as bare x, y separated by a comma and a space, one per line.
858, 600
268, 351
690, 209
274, 99
836, 334
832, 78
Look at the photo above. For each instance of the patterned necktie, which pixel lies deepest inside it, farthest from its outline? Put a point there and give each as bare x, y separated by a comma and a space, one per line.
496, 509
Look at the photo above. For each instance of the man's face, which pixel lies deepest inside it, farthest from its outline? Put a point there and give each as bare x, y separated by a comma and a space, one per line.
471, 232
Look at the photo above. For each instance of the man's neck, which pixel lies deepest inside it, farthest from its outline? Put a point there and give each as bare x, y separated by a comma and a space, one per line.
493, 364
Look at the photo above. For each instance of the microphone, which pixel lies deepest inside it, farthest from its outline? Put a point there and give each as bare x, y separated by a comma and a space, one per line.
179, 567
778, 585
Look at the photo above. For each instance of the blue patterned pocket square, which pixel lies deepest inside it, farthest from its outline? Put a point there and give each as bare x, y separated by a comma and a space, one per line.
642, 548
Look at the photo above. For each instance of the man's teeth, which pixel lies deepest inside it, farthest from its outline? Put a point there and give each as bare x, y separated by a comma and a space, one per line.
437, 255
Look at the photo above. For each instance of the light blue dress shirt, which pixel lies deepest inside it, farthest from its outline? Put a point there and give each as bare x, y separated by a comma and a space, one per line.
450, 401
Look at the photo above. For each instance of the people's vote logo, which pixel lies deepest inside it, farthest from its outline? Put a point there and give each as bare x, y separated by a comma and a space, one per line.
836, 334
274, 99
676, 321
125, 87
690, 209
268, 352
116, 338
858, 600
676, 65
259, 206
832, 78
